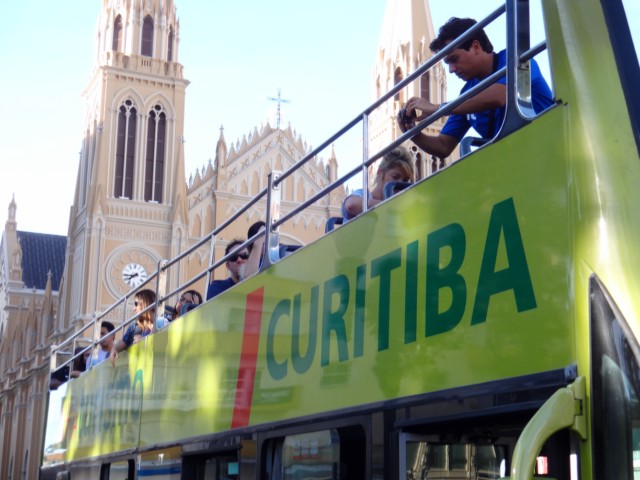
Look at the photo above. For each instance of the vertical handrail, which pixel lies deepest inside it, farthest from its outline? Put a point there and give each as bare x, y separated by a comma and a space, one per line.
365, 159
163, 279
94, 342
274, 197
212, 258
518, 104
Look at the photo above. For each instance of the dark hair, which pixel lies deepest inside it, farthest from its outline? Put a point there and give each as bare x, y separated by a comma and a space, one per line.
79, 363
195, 296
108, 325
453, 29
253, 229
232, 244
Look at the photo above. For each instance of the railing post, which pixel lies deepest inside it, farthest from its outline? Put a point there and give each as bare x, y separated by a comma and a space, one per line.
95, 341
212, 259
519, 101
274, 197
365, 158
53, 358
161, 290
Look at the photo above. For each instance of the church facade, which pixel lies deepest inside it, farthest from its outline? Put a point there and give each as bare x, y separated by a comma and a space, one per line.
134, 206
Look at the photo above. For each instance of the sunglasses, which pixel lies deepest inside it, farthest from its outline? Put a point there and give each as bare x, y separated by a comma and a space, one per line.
234, 258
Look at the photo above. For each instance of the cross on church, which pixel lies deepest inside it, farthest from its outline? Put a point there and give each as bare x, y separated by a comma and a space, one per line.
279, 100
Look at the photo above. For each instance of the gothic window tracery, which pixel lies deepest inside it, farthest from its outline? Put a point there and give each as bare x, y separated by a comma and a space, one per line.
147, 37
154, 162
117, 34
125, 150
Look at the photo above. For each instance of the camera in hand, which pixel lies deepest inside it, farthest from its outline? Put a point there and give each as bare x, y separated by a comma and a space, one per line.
404, 116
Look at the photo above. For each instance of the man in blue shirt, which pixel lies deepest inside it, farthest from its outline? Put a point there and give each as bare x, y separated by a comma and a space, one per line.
473, 61
233, 265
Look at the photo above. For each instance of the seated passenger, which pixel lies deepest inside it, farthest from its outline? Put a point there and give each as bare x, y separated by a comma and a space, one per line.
473, 61
396, 166
187, 301
79, 364
234, 263
141, 327
60, 376
106, 345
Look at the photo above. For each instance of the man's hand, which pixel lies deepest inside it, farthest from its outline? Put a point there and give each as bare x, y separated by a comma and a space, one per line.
424, 106
415, 110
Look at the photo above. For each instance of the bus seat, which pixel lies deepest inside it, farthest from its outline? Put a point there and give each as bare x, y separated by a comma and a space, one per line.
391, 188
285, 250
467, 142
332, 222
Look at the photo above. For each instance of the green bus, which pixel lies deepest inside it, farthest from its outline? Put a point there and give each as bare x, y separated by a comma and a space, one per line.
483, 323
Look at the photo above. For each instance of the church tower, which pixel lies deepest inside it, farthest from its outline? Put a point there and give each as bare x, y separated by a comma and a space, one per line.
130, 206
407, 31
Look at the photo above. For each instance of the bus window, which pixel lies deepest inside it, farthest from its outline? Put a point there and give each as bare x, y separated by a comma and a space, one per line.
615, 390
211, 466
124, 470
311, 455
332, 454
483, 456
427, 459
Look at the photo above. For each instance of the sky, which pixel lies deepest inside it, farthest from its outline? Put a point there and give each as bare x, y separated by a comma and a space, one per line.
236, 54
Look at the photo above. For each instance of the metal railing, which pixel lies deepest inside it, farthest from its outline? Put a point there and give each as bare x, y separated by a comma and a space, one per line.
518, 114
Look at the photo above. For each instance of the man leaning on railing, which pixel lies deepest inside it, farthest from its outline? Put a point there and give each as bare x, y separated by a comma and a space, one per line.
473, 61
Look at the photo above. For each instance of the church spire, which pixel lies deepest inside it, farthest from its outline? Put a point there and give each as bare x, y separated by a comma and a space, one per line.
407, 31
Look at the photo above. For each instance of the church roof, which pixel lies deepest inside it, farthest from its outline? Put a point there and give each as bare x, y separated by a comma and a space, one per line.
41, 253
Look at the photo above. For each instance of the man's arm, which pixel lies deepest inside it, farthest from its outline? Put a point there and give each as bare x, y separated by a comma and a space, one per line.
442, 145
492, 97
118, 346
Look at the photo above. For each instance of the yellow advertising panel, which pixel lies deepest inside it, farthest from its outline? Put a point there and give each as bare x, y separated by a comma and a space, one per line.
434, 290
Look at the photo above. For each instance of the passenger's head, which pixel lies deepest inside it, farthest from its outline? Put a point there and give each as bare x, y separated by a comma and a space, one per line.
105, 328
396, 166
189, 299
235, 261
142, 300
253, 229
80, 363
453, 29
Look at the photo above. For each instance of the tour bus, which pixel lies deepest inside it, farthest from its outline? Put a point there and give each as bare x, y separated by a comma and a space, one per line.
482, 323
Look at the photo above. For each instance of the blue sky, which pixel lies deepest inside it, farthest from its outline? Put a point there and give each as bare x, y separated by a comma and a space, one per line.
236, 55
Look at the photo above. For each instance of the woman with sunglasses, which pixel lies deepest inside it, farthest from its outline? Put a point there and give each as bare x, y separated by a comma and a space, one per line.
142, 326
234, 264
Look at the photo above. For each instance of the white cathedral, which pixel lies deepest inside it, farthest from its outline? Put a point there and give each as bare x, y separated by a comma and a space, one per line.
134, 206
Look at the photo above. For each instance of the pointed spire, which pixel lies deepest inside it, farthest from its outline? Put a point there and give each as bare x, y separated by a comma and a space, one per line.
221, 149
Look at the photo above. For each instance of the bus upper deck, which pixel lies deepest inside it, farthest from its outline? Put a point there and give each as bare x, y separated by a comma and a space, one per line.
492, 302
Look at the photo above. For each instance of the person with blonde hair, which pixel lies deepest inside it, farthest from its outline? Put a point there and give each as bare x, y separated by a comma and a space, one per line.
396, 166
143, 325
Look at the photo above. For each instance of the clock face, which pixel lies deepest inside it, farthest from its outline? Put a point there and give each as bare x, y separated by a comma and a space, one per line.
134, 274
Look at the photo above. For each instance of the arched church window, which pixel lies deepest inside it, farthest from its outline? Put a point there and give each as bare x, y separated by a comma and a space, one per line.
154, 163
397, 78
125, 149
425, 89
170, 46
147, 37
117, 34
